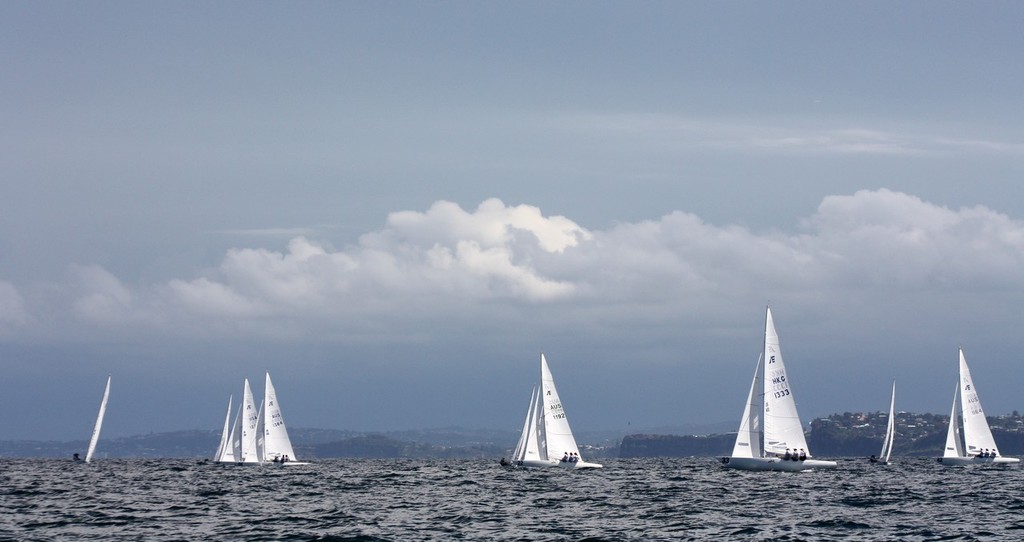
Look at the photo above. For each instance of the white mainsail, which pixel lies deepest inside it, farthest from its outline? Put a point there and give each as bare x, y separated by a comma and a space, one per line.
782, 428
276, 444
249, 452
224, 449
890, 428
560, 441
977, 435
99, 422
748, 438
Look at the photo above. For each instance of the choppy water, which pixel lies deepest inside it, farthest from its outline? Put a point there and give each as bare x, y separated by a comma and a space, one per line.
635, 499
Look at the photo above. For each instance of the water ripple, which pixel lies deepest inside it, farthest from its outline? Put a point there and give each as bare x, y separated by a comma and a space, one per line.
388, 500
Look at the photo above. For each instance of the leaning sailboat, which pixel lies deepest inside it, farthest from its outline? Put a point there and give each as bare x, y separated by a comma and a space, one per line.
975, 444
547, 440
99, 423
225, 451
770, 435
890, 430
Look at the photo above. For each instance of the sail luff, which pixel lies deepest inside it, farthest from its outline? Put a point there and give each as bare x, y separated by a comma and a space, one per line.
99, 422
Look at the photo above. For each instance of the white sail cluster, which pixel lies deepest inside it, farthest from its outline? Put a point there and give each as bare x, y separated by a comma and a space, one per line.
258, 434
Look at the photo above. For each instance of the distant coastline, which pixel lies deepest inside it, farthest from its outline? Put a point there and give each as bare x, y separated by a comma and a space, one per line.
838, 435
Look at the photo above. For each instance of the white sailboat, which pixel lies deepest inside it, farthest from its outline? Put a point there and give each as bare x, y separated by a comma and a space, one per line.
890, 430
975, 444
99, 423
546, 440
225, 451
277, 447
770, 435
248, 448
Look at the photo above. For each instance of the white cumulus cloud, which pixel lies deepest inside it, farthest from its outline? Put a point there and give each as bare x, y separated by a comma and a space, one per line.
450, 268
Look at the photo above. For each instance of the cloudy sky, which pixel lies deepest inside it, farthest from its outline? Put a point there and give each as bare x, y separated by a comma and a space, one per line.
394, 207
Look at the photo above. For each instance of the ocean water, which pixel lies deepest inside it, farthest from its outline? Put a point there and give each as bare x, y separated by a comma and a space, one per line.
634, 499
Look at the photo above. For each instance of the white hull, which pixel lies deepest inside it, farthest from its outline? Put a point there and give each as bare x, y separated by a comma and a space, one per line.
539, 464
775, 464
976, 460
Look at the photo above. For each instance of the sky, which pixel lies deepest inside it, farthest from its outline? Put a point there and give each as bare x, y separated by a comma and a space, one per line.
395, 207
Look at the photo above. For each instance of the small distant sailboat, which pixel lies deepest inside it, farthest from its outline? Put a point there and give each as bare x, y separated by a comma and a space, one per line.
99, 423
771, 436
546, 440
225, 451
975, 444
890, 430
277, 447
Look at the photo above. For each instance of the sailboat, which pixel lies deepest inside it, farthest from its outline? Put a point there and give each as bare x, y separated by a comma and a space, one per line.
975, 444
771, 436
248, 450
277, 447
225, 451
546, 440
890, 430
99, 423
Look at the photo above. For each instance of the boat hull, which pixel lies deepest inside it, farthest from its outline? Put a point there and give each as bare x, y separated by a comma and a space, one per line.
537, 463
953, 461
775, 464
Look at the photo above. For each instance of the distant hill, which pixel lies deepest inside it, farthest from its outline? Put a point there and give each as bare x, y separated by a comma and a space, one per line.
308, 444
838, 435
